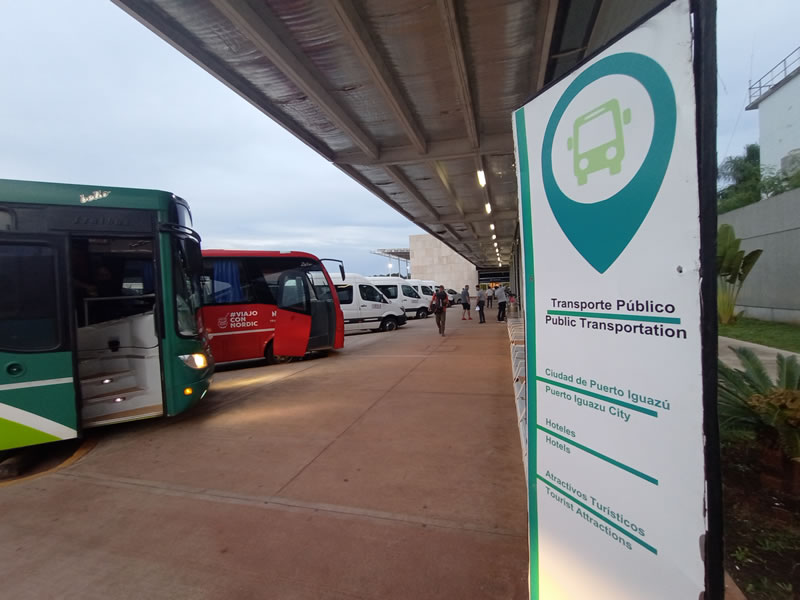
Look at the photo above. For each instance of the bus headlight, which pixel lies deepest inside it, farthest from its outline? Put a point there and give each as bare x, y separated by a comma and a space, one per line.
197, 360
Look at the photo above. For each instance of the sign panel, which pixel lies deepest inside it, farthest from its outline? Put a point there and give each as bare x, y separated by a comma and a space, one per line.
611, 238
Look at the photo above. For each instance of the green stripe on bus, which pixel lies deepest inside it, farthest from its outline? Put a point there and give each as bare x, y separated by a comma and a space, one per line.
14, 435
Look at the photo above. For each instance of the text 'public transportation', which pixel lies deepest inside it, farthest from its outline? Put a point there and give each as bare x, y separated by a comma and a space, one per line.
99, 309
259, 304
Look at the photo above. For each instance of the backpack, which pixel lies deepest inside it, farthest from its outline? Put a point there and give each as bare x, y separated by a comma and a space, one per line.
438, 304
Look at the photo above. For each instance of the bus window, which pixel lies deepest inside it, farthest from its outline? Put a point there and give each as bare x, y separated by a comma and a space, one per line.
427, 291
6, 221
112, 278
225, 282
28, 311
322, 290
390, 291
293, 294
138, 278
345, 293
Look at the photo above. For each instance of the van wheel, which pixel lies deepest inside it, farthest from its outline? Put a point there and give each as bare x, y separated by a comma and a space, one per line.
389, 324
422, 313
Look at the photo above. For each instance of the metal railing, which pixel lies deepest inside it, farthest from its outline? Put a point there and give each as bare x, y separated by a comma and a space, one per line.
775, 75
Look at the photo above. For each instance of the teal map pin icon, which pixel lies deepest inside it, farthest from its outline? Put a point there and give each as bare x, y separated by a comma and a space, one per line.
601, 231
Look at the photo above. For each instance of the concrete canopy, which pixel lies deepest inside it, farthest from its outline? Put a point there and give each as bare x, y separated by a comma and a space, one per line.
411, 98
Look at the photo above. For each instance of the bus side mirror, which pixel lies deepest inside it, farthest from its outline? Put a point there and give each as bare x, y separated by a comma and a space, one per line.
341, 270
194, 257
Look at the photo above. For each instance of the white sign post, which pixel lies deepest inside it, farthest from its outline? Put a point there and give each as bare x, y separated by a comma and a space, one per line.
611, 249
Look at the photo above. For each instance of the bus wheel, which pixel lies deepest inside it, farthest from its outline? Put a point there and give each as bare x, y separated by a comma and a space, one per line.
389, 324
269, 354
422, 313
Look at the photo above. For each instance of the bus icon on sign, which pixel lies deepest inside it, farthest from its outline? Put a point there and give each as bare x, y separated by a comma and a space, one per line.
597, 140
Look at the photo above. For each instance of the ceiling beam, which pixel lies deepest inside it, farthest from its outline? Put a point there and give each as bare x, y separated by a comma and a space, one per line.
441, 173
549, 10
452, 32
409, 188
265, 32
496, 144
482, 217
357, 33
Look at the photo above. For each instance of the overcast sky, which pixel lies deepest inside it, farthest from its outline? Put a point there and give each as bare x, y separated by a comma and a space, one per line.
91, 96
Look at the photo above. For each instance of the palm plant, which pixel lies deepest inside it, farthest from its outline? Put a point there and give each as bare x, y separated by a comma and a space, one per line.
754, 407
733, 267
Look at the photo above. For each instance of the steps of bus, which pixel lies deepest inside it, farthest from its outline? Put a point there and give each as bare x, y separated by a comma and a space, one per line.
112, 390
106, 383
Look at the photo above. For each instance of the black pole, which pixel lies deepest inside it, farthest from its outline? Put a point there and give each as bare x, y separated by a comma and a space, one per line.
705, 74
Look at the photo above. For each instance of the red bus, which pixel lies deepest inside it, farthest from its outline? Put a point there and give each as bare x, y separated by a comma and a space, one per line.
259, 304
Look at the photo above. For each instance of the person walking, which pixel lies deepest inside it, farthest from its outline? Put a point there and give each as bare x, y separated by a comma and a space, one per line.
481, 304
489, 297
500, 294
439, 304
465, 304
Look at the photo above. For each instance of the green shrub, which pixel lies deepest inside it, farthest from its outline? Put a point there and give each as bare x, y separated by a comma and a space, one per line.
733, 267
754, 407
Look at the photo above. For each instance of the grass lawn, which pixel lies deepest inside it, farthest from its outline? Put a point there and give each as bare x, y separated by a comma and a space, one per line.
778, 335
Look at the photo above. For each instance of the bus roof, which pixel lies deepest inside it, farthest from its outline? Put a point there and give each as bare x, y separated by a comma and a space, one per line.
217, 253
68, 194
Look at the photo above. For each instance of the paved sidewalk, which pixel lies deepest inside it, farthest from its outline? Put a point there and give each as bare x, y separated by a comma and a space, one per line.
388, 470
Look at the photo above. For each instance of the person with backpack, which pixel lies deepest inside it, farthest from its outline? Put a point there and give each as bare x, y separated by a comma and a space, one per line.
439, 304
500, 294
465, 304
481, 304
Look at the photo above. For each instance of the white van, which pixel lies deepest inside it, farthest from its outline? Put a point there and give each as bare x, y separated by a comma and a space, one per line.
426, 289
364, 307
400, 293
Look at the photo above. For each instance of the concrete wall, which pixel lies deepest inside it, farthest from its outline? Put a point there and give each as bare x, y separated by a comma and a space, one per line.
431, 259
779, 123
772, 291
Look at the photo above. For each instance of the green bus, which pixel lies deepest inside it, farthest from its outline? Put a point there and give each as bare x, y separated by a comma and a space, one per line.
99, 309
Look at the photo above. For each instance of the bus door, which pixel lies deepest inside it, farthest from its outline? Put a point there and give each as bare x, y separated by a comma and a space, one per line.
37, 387
294, 314
117, 336
323, 311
